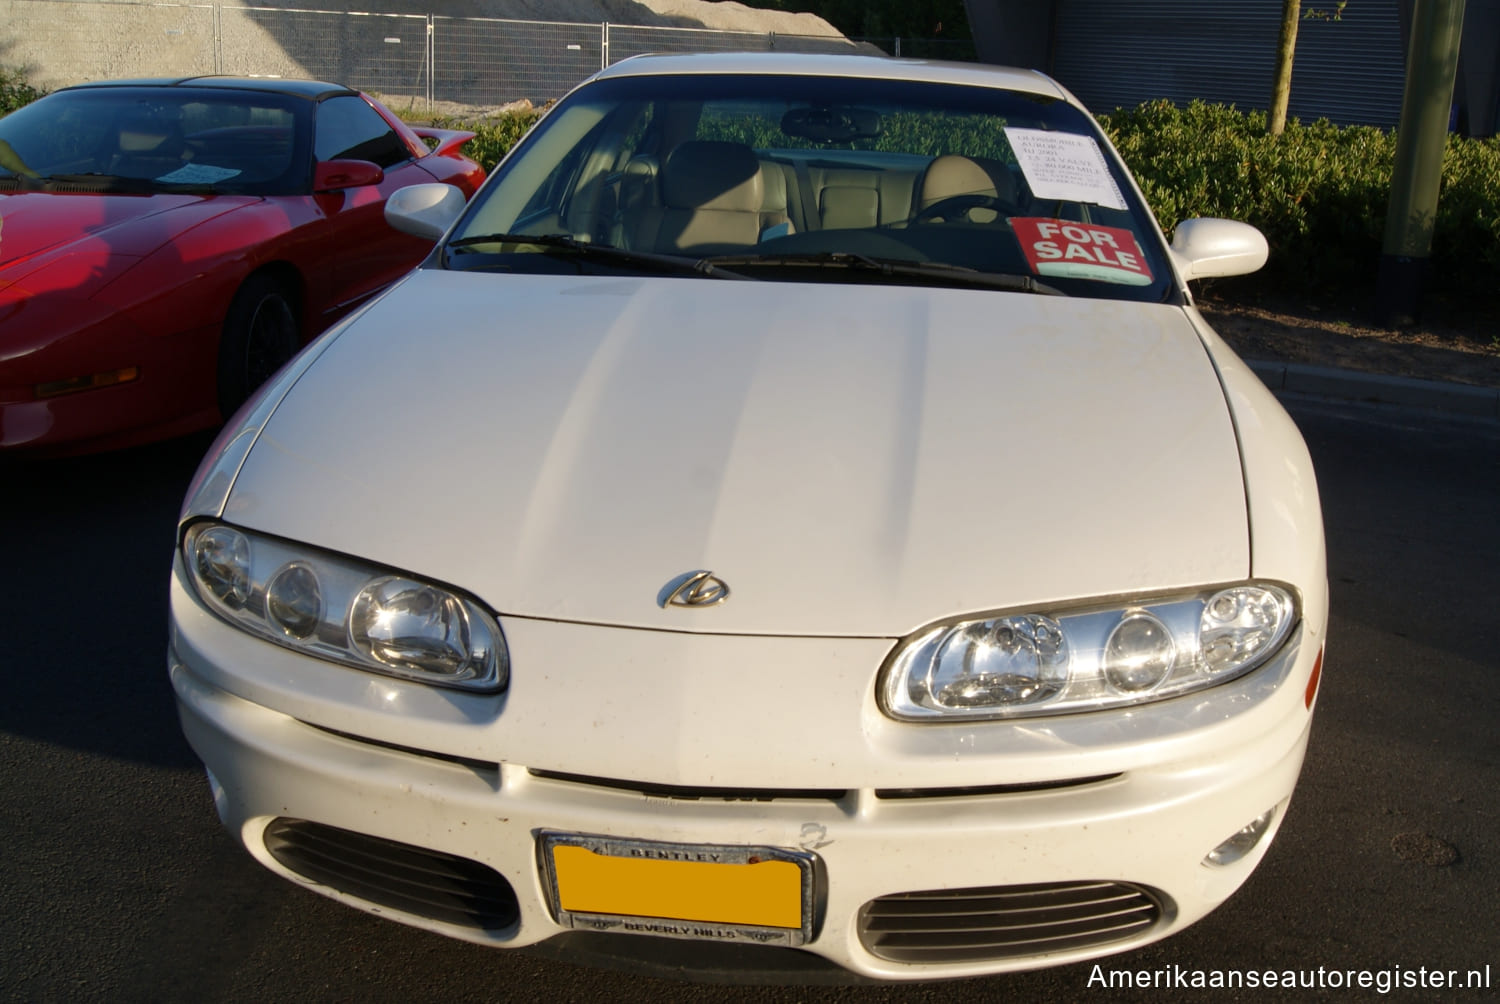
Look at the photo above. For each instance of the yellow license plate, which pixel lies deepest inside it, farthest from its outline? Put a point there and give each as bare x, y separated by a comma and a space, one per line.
723, 893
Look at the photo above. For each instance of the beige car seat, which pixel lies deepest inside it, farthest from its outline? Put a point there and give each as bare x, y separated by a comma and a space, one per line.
712, 196
952, 175
146, 148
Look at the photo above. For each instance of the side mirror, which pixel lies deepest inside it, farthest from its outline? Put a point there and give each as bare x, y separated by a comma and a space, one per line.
1207, 248
337, 175
425, 211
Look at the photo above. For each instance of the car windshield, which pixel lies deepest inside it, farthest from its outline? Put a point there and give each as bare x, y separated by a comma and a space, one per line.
148, 139
816, 178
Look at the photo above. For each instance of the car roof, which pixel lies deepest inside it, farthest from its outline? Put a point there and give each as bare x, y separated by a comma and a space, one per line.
313, 90
837, 65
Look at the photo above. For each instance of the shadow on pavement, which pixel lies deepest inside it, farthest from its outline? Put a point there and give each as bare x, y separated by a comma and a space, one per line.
86, 546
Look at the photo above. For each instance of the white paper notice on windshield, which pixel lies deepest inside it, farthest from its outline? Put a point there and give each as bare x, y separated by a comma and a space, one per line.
198, 174
1066, 166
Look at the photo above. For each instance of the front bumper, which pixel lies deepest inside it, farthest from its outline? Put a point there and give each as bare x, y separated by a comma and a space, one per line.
173, 393
1034, 814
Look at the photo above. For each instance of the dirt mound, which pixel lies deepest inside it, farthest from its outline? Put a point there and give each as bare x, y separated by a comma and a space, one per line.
722, 15
310, 38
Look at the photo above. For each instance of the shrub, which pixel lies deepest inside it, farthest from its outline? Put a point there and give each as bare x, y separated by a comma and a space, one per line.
15, 91
900, 132
495, 135
1319, 192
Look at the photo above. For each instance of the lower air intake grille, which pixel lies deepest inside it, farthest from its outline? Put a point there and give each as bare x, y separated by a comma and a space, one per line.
431, 884
971, 925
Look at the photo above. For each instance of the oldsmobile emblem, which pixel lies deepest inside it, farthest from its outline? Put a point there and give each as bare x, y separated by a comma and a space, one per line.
696, 589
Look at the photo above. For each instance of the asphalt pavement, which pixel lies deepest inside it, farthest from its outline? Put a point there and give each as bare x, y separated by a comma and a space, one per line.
1299, 379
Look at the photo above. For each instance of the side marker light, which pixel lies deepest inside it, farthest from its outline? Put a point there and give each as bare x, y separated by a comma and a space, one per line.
1313, 678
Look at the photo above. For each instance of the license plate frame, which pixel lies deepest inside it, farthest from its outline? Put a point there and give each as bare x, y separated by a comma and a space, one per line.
573, 883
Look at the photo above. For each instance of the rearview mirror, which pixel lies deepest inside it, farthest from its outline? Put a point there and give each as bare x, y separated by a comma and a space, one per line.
831, 123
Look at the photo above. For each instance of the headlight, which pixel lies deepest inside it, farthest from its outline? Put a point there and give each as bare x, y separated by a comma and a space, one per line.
1088, 658
343, 610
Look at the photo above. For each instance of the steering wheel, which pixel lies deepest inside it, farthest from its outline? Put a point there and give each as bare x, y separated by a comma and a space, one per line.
958, 207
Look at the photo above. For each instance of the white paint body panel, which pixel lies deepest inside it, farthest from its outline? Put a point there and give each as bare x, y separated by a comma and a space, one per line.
1192, 778
850, 459
856, 461
837, 65
864, 478
708, 711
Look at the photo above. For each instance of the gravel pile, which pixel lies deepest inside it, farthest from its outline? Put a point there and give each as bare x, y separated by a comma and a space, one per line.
59, 43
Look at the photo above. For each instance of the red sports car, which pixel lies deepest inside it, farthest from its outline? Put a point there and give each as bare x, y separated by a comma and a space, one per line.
165, 245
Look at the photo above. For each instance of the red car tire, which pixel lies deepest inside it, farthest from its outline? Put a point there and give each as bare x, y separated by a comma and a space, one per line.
260, 334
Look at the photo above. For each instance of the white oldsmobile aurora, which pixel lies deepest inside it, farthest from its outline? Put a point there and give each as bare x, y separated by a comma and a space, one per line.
795, 519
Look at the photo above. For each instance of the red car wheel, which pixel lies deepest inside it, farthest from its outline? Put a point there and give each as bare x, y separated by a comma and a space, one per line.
260, 335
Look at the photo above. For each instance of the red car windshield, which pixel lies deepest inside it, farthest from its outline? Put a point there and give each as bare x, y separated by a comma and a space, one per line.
158, 139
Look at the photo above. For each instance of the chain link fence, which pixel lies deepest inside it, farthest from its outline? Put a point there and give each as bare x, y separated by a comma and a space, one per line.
417, 58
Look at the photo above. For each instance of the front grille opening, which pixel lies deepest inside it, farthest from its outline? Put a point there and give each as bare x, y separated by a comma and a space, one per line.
1007, 922
693, 794
973, 791
415, 880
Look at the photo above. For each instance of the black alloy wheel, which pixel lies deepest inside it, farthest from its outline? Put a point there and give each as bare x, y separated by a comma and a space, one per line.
260, 334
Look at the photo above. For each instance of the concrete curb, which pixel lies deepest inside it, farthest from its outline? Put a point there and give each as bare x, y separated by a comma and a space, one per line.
1352, 385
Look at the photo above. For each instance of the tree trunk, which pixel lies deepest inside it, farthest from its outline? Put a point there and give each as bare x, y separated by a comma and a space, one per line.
1281, 86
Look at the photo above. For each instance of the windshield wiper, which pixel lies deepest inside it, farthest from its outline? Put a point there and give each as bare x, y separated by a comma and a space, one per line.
98, 181
92, 178
555, 243
893, 267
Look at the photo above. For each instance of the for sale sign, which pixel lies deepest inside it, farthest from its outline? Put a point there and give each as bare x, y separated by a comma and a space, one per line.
1081, 251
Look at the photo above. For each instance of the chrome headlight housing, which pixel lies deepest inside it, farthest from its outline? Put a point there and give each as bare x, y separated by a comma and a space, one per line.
343, 610
1088, 657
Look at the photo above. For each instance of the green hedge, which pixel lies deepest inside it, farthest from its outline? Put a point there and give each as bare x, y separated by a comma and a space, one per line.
495, 135
1319, 192
900, 132
15, 91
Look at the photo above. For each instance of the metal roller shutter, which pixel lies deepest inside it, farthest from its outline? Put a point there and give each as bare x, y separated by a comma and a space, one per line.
1119, 53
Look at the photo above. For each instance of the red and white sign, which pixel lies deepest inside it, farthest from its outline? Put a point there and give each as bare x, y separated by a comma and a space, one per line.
1081, 250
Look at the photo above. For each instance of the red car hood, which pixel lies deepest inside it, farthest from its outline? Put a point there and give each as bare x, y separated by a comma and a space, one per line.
39, 228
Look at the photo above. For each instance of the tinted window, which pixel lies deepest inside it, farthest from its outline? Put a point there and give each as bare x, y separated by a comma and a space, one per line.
349, 129
161, 137
780, 167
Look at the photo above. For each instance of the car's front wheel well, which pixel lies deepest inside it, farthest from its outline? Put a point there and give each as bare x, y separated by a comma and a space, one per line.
287, 276
263, 328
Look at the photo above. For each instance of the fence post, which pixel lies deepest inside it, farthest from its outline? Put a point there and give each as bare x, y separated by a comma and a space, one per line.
431, 64
604, 45
898, 46
218, 38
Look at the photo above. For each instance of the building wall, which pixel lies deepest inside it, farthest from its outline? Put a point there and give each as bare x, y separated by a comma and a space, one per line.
1479, 68
1119, 53
1112, 54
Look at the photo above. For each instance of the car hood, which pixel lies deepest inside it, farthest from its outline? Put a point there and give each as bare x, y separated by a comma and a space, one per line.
853, 460
39, 228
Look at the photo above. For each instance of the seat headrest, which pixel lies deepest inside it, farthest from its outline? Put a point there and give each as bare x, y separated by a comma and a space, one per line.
774, 180
139, 135
641, 166
951, 175
704, 174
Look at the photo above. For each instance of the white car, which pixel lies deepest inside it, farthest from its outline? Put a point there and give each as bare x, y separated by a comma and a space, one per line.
798, 506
